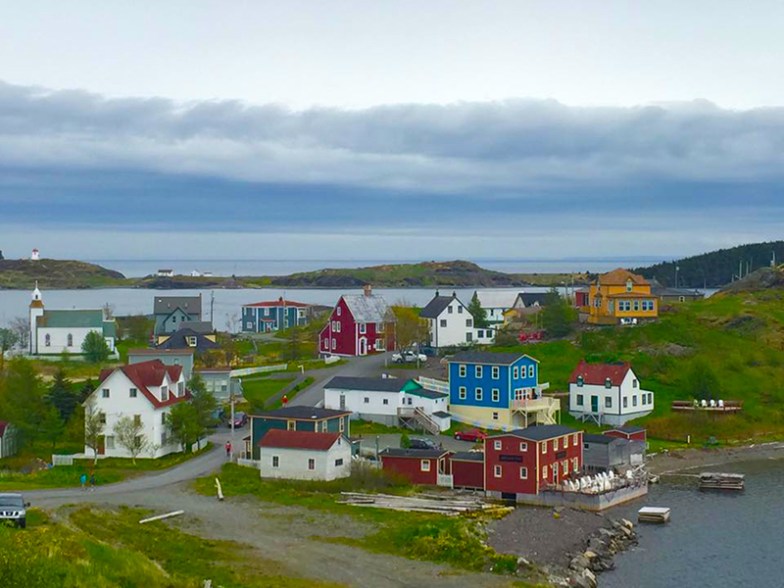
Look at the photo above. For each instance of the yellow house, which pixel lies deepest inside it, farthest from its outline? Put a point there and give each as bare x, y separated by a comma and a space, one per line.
621, 297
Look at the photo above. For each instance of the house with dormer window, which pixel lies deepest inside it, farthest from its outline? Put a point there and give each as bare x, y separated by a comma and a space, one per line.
607, 393
619, 297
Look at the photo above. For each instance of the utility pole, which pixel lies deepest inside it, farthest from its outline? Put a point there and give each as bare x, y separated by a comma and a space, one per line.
212, 307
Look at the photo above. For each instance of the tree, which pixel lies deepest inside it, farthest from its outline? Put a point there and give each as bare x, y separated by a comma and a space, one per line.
22, 400
204, 404
409, 327
294, 344
558, 317
61, 395
52, 426
21, 326
8, 339
702, 381
479, 313
129, 433
94, 348
183, 423
137, 327
93, 428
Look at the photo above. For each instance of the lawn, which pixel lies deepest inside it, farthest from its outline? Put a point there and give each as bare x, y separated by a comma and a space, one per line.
258, 390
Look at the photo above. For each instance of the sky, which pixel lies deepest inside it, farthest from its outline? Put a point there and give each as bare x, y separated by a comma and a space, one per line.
389, 130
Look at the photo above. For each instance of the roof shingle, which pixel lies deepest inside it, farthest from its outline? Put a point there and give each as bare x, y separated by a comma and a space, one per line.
306, 440
596, 374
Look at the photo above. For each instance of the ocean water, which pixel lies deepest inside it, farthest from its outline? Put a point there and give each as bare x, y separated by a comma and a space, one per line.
713, 539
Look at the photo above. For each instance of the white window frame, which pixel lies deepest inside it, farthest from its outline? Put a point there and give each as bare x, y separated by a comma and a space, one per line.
515, 373
424, 465
498, 445
362, 328
496, 395
462, 393
495, 372
523, 473
498, 471
523, 446
531, 371
477, 371
462, 370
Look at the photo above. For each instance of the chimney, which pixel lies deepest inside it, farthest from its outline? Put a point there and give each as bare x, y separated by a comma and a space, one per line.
437, 293
368, 290
454, 294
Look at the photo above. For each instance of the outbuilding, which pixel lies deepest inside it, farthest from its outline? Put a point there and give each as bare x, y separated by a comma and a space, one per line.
468, 469
418, 466
303, 455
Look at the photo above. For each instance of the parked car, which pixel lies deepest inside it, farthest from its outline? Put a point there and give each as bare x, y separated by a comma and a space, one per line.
423, 443
240, 420
474, 435
408, 357
13, 508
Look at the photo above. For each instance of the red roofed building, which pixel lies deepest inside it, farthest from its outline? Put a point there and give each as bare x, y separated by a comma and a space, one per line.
274, 315
145, 392
304, 455
607, 393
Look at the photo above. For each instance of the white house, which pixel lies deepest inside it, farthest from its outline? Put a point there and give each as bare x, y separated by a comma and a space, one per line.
304, 455
496, 303
388, 401
145, 391
607, 393
451, 325
53, 332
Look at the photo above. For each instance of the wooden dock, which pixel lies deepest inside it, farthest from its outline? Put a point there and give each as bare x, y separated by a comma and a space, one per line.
653, 514
721, 481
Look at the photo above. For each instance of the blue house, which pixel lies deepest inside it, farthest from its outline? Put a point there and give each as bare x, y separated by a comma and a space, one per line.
274, 315
498, 391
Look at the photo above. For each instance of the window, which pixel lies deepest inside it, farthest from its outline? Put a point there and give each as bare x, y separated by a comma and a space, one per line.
496, 395
607, 383
580, 381
191, 341
362, 328
443, 322
523, 473
515, 372
634, 400
338, 462
469, 323
579, 400
337, 311
608, 402
105, 393
497, 444
469, 337
495, 416
137, 420
459, 310
497, 471
634, 383
133, 392
544, 447
164, 393
495, 372
461, 370
523, 446
181, 388
628, 285
275, 461
478, 371
385, 401
544, 471
379, 345
424, 465
480, 333
311, 464
102, 418
341, 425
574, 464
334, 346
69, 340
449, 309
461, 393
109, 442
564, 442
478, 394
585, 446
48, 340
324, 427
626, 402
291, 425
555, 445
531, 371
367, 400
636, 305
574, 439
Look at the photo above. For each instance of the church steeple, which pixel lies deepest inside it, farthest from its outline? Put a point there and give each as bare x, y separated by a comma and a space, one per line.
37, 301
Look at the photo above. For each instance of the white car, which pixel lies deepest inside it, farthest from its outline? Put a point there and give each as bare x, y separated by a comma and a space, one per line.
408, 357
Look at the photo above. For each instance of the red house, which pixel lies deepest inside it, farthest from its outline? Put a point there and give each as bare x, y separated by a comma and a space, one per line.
630, 432
418, 466
526, 461
359, 324
468, 469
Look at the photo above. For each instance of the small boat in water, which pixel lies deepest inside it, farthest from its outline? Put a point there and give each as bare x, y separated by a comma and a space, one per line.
653, 514
721, 481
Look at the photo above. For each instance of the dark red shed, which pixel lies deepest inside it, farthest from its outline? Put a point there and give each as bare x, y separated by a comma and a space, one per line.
468, 469
419, 466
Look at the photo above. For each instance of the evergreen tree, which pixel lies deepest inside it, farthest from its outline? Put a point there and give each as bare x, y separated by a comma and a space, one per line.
7, 340
702, 381
94, 348
204, 404
61, 395
22, 400
558, 317
479, 313
294, 344
183, 423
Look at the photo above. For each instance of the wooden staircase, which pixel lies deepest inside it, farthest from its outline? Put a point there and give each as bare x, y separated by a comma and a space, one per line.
417, 419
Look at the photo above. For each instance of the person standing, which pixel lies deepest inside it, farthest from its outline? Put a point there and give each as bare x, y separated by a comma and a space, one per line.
92, 481
83, 480
228, 449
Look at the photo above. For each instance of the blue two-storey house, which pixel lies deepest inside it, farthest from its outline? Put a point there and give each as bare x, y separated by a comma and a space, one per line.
274, 315
498, 391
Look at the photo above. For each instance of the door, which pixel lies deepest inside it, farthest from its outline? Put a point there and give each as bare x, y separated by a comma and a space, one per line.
342, 402
594, 404
363, 346
101, 445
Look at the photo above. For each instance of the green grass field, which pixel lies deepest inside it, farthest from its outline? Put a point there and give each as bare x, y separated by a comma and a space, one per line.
257, 391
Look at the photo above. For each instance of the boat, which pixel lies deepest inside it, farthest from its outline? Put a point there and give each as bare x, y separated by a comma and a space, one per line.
721, 481
653, 514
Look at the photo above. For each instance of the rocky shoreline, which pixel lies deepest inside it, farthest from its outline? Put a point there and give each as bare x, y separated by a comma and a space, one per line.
600, 552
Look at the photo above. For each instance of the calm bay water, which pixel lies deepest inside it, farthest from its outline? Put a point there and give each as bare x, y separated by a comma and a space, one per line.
717, 540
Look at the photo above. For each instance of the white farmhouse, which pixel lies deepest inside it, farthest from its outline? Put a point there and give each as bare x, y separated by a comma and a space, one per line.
389, 401
451, 325
53, 332
145, 391
304, 455
607, 393
496, 303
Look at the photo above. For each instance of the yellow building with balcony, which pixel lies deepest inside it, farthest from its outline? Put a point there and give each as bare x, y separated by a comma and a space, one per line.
620, 297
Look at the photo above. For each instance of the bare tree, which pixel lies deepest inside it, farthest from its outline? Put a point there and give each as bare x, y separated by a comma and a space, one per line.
94, 422
129, 433
108, 310
21, 326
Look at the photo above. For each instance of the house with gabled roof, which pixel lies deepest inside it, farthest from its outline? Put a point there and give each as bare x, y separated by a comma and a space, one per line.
304, 455
144, 391
188, 338
171, 311
274, 315
450, 324
495, 303
607, 393
295, 418
360, 324
54, 332
619, 297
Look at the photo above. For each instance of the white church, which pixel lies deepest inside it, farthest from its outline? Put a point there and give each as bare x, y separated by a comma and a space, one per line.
53, 332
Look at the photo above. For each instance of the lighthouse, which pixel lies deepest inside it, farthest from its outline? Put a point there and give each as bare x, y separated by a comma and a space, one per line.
36, 310
35, 256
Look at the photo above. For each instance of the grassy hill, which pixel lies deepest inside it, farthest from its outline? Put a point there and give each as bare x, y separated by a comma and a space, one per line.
739, 336
56, 273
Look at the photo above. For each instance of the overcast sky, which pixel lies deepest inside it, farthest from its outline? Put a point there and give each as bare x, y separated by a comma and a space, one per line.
389, 130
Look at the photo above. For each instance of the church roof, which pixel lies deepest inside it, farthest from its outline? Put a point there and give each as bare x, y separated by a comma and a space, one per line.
71, 319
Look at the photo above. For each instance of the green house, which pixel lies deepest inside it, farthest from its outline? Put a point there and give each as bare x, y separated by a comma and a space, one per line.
297, 418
